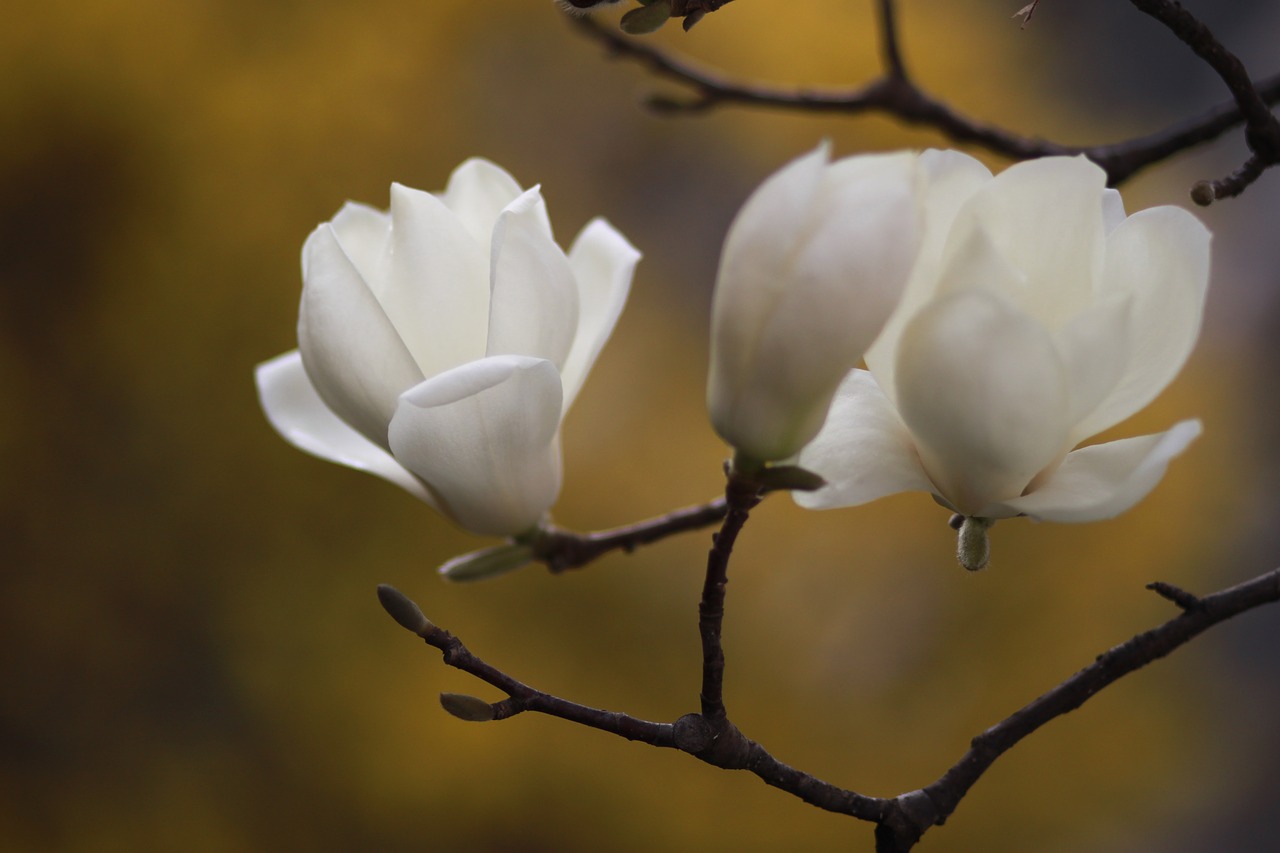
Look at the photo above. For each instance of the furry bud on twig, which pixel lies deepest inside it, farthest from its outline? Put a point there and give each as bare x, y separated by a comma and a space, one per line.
402, 609
469, 708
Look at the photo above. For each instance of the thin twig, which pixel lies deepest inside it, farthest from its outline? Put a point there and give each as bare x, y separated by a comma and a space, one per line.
890, 48
1262, 130
741, 495
900, 821
946, 793
902, 98
562, 549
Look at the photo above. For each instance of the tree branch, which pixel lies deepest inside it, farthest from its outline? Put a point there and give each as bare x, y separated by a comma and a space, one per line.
562, 549
741, 496
1262, 131
895, 94
900, 821
1199, 614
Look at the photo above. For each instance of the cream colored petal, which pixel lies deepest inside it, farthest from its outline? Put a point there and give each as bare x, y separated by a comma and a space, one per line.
364, 234
436, 282
534, 300
352, 352
477, 193
950, 179
1112, 209
792, 314
293, 407
603, 263
1095, 347
984, 393
1104, 480
1045, 218
484, 437
1159, 259
863, 451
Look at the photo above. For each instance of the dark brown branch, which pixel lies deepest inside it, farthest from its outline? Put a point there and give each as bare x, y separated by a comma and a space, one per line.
723, 747
890, 49
897, 95
741, 496
562, 549
946, 793
901, 821
1262, 130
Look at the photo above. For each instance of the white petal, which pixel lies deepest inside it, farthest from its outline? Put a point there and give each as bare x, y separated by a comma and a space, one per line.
1046, 219
533, 306
477, 193
1159, 258
484, 437
364, 233
863, 451
1095, 348
603, 263
436, 284
983, 391
950, 179
1112, 209
1104, 480
770, 217
296, 411
355, 358
795, 311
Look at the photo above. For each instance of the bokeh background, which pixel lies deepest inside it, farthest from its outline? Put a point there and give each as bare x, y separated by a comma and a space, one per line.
190, 649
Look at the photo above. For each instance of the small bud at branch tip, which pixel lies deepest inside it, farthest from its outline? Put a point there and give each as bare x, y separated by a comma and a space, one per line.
469, 708
402, 609
1202, 193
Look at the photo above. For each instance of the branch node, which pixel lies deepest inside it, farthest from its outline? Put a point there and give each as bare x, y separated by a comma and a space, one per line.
693, 734
906, 818
1178, 596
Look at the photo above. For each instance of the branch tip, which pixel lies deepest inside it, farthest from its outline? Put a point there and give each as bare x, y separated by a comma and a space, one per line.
1178, 596
402, 609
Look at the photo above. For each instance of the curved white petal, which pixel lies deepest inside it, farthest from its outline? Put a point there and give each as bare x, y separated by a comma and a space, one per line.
1046, 220
795, 311
364, 234
1095, 348
353, 354
436, 286
478, 191
293, 407
1104, 480
770, 218
533, 308
1159, 258
484, 437
983, 391
1112, 209
603, 262
863, 451
950, 179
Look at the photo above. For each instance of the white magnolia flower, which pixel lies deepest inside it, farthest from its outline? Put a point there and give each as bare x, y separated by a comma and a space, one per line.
441, 343
813, 265
1038, 316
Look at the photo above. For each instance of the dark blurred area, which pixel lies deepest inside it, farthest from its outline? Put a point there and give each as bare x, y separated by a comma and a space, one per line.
193, 657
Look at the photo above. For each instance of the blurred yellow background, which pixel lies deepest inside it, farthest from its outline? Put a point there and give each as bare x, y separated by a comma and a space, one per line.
193, 657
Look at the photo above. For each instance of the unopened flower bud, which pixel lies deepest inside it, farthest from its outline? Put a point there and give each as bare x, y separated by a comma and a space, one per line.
402, 609
973, 549
470, 708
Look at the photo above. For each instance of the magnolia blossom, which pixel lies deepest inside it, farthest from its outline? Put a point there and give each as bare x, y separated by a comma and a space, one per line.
1038, 315
440, 344
813, 265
